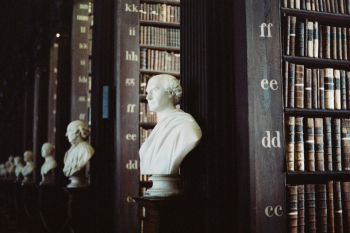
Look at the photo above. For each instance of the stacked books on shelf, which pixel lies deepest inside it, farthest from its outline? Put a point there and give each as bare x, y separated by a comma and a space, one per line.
157, 36
160, 12
146, 115
144, 134
158, 60
330, 6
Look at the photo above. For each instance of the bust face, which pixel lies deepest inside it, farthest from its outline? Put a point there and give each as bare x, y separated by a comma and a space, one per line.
46, 150
71, 132
28, 156
157, 97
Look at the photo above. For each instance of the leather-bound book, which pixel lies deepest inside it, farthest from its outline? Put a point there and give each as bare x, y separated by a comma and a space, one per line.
310, 145
328, 6
343, 89
310, 41
320, 41
299, 86
292, 35
321, 89
314, 85
300, 38
344, 43
341, 6
338, 210
292, 209
339, 43
308, 88
315, 39
328, 88
287, 34
285, 84
330, 207
326, 41
321, 208
301, 209
319, 145
334, 42
345, 143
291, 84
336, 144
299, 164
348, 89
310, 208
290, 142
308, 5
337, 91
328, 144
345, 186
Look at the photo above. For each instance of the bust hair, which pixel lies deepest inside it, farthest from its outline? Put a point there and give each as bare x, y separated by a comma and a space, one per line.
18, 159
50, 146
84, 132
29, 154
173, 87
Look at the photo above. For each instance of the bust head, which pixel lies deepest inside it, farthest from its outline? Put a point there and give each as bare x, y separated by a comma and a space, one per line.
18, 160
47, 149
163, 93
77, 132
11, 159
28, 156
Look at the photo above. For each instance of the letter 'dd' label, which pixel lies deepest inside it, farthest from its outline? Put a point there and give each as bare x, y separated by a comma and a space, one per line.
267, 142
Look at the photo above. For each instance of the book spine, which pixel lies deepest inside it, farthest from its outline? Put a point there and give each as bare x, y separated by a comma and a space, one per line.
290, 142
336, 144
345, 143
339, 43
336, 6
303, 5
321, 5
306, 36
326, 42
308, 5
292, 36
300, 38
291, 85
319, 146
347, 4
317, 6
143, 57
333, 6
315, 39
292, 208
338, 210
284, 3
328, 4
313, 6
330, 208
321, 208
320, 41
328, 143
344, 44
308, 88
301, 209
328, 88
337, 90
299, 86
285, 79
321, 88
297, 4
299, 164
348, 88
310, 208
345, 186
310, 42
343, 89
334, 42
310, 144
341, 6
314, 87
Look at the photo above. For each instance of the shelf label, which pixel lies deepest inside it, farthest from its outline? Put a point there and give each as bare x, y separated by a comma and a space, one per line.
270, 211
130, 137
265, 84
131, 165
131, 56
131, 8
132, 31
131, 107
130, 82
275, 142
262, 28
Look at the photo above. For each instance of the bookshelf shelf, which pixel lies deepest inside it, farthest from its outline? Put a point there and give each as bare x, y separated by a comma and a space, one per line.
158, 23
172, 49
317, 112
159, 72
318, 61
317, 15
303, 177
162, 2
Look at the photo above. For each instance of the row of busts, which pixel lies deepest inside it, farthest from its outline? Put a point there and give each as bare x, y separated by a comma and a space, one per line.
15, 170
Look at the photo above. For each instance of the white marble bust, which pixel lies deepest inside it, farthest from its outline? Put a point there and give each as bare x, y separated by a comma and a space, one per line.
79, 154
2, 171
176, 132
10, 168
19, 167
47, 151
28, 169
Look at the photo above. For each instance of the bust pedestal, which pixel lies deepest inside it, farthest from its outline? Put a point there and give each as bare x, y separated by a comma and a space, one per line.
164, 186
78, 180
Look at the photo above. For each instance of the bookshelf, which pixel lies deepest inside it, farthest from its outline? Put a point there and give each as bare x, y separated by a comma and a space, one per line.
324, 148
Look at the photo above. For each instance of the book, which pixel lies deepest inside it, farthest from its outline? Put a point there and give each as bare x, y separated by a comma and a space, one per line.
336, 144
292, 36
310, 42
328, 88
328, 144
319, 145
301, 209
290, 142
343, 89
348, 88
308, 88
337, 90
291, 3
299, 86
314, 86
321, 208
292, 208
310, 208
315, 39
285, 84
345, 186
299, 164
320, 41
308, 5
310, 144
344, 44
338, 210
291, 84
328, 4
345, 143
334, 42
339, 43
313, 5
326, 40
320, 89
332, 6
297, 4
300, 38
341, 6
330, 208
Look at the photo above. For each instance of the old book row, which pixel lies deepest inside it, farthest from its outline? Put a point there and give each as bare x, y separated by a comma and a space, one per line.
144, 134
316, 88
156, 36
143, 82
317, 144
318, 207
146, 115
330, 6
160, 12
310, 39
159, 60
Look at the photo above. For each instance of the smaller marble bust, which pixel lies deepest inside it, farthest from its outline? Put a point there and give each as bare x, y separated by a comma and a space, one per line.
47, 151
78, 155
10, 168
18, 169
2, 171
28, 169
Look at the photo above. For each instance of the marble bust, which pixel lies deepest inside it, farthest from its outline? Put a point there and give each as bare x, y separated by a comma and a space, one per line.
78, 155
176, 132
2, 171
28, 169
10, 168
47, 151
18, 169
